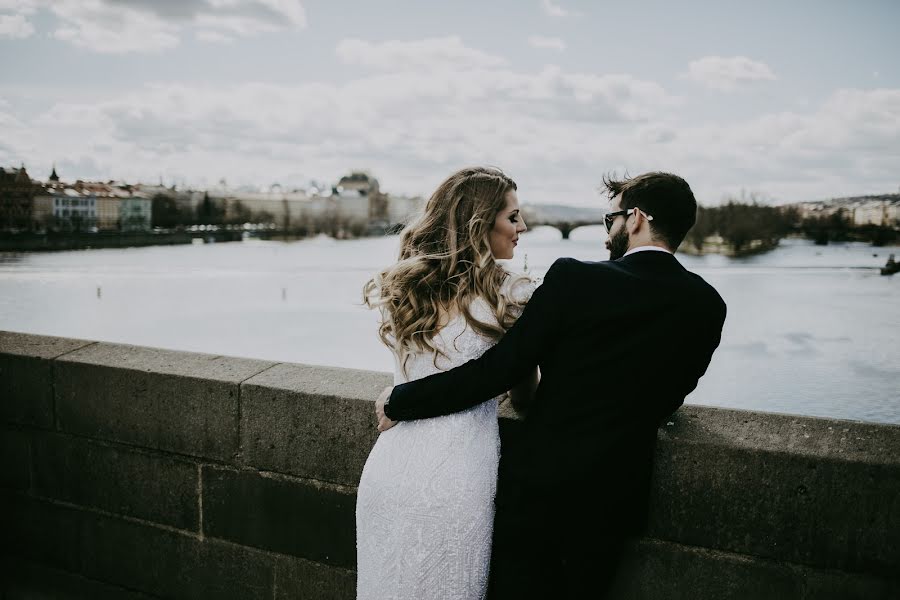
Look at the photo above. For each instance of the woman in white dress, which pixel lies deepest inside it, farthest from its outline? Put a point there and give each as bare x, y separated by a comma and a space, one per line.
425, 505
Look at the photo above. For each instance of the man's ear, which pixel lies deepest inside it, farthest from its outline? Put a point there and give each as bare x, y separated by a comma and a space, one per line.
636, 219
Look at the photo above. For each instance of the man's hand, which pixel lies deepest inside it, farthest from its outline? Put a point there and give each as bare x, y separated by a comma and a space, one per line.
383, 422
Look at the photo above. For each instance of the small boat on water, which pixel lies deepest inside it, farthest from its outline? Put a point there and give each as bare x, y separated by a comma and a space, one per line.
891, 267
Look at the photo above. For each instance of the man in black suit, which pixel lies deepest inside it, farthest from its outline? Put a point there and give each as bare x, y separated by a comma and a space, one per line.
619, 343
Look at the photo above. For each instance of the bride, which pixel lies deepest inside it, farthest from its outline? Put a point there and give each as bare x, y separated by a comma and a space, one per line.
425, 505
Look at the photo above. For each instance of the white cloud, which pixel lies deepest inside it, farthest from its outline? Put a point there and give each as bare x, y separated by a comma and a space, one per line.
95, 25
553, 9
849, 144
413, 122
213, 36
728, 73
120, 26
856, 121
551, 43
433, 53
15, 26
25, 7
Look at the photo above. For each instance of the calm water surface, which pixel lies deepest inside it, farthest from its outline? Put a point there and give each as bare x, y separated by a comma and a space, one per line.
811, 330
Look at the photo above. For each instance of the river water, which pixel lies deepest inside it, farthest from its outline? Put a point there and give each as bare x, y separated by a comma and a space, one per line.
811, 330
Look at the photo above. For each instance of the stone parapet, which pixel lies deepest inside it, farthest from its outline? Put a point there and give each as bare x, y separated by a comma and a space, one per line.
136, 472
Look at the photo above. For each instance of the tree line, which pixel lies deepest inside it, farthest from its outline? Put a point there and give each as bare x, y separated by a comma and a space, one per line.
747, 226
168, 213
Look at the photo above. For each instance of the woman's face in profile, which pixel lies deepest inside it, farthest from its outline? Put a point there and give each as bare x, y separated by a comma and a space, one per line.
507, 226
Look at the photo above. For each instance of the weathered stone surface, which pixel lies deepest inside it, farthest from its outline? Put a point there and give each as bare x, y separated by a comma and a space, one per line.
872, 443
655, 569
299, 579
838, 585
15, 459
300, 518
748, 505
312, 422
161, 399
140, 557
26, 376
779, 494
37, 531
38, 346
174, 565
26, 391
23, 580
154, 487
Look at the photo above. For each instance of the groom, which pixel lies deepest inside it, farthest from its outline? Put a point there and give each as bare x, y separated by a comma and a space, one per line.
620, 343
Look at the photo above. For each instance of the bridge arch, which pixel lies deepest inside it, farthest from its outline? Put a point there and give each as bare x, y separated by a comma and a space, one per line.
565, 227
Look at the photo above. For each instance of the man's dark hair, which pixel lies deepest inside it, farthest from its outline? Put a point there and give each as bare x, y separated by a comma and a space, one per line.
666, 197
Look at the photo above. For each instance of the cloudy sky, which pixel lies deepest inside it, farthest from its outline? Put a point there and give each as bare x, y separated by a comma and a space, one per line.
789, 100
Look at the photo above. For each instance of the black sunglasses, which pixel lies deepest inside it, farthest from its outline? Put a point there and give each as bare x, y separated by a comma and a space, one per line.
608, 218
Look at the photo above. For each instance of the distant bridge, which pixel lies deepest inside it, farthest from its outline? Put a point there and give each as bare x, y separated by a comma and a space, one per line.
563, 218
564, 227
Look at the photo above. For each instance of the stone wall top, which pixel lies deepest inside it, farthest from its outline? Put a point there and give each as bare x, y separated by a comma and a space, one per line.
225, 369
814, 437
37, 346
822, 493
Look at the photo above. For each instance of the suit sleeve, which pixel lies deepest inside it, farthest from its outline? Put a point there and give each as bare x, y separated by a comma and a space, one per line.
692, 366
498, 369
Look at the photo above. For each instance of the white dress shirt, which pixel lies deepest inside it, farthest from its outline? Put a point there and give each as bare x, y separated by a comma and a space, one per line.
646, 248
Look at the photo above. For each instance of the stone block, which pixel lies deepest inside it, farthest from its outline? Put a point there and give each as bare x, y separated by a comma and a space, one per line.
117, 479
26, 376
161, 399
38, 346
299, 579
874, 443
301, 518
839, 585
656, 569
23, 580
39, 532
313, 422
828, 500
145, 558
15, 459
174, 565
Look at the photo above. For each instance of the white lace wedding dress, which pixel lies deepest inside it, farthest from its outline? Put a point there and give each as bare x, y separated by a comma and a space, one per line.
425, 505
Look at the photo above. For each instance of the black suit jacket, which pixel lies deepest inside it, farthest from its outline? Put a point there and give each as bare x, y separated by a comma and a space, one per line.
619, 343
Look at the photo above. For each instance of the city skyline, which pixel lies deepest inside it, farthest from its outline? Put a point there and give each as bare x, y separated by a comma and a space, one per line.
792, 103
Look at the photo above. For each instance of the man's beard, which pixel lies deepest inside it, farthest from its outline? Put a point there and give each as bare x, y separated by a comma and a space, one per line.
618, 244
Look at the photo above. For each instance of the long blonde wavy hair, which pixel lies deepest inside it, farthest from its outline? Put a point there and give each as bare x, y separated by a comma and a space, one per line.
446, 263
